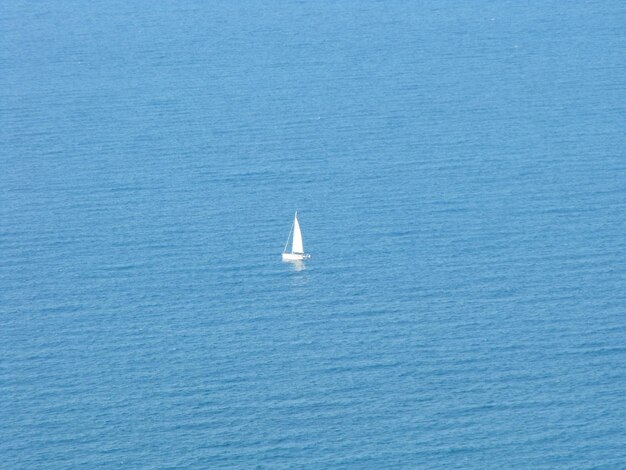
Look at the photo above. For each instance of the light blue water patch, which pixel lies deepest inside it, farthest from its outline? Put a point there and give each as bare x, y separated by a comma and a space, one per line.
461, 180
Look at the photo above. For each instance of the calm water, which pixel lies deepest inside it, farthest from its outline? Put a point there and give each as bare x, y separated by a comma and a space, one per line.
460, 170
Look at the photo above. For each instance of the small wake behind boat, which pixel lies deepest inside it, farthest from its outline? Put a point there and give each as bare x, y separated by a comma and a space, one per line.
297, 248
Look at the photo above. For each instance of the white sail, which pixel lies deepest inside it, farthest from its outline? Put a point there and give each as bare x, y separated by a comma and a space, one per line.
297, 246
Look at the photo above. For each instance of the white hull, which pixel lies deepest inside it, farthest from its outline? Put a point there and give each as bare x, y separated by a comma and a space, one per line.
295, 256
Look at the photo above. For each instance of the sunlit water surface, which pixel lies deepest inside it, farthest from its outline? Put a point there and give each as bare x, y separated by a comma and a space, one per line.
460, 174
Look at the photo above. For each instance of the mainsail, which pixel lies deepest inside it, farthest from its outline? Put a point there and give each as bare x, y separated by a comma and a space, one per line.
297, 246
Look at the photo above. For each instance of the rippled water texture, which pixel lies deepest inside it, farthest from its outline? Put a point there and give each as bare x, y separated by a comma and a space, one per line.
460, 174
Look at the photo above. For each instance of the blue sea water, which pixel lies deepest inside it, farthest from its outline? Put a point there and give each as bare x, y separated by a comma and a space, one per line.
460, 172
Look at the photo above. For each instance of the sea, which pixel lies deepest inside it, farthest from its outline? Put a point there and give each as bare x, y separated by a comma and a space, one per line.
459, 172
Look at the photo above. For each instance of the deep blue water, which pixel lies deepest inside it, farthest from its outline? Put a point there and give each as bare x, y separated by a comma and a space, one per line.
460, 172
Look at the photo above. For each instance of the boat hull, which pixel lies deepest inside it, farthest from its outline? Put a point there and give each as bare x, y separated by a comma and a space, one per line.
295, 256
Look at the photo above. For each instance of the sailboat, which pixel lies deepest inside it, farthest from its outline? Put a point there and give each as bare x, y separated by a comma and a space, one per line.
297, 248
